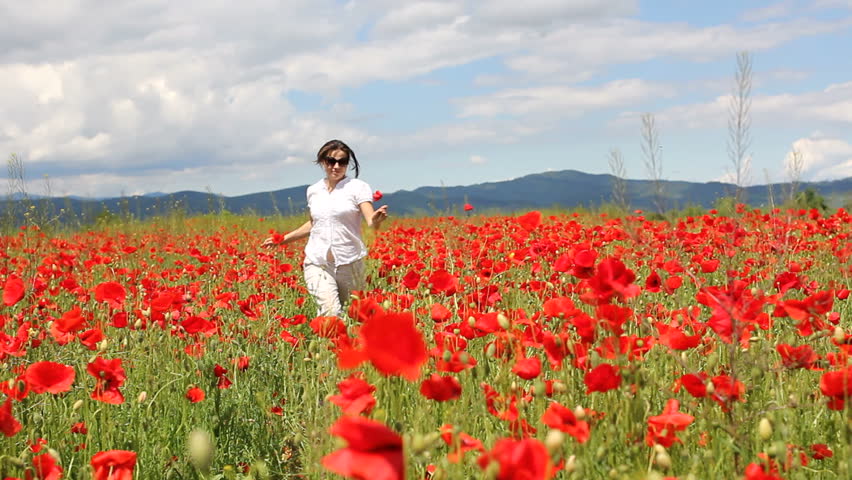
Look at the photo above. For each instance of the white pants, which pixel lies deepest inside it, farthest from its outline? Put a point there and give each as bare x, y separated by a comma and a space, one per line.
331, 286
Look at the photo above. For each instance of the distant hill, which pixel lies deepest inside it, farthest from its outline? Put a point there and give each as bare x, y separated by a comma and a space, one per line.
565, 189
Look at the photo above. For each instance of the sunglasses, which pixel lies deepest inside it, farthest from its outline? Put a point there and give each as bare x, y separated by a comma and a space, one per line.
330, 161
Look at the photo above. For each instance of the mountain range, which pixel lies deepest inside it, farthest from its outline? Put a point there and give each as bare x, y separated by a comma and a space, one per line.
559, 189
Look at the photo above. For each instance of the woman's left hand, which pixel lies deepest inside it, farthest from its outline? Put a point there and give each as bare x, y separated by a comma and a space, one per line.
379, 216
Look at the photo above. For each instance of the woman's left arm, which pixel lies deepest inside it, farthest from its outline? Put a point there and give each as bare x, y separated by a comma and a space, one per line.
374, 217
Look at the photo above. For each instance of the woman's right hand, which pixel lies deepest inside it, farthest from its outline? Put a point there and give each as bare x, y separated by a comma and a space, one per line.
276, 239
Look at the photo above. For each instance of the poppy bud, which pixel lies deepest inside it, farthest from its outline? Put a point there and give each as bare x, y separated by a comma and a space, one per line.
471, 321
137, 324
77, 405
143, 395
102, 345
386, 305
146, 312
571, 464
839, 334
53, 453
559, 387
446, 356
777, 449
663, 460
764, 429
710, 388
200, 448
553, 441
503, 321
579, 412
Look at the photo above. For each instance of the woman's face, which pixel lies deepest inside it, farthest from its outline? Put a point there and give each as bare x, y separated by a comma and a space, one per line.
335, 164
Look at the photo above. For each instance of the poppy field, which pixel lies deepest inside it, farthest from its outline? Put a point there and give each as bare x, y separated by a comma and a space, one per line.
528, 346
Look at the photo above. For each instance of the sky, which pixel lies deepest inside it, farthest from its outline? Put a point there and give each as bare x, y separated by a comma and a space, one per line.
105, 98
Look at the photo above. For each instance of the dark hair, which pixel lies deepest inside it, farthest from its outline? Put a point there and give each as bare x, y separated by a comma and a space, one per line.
334, 145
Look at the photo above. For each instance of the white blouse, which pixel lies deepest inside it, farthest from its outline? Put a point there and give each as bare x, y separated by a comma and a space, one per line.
336, 222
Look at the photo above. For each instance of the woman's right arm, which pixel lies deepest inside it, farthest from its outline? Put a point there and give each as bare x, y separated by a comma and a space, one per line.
297, 234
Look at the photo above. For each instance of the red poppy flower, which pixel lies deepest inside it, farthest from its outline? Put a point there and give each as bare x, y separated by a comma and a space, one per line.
441, 389
561, 307
195, 394
694, 384
820, 451
110, 377
527, 459
726, 390
653, 282
442, 281
13, 291
223, 381
530, 221
112, 293
356, 396
71, 321
662, 428
373, 450
46, 468
439, 313
837, 385
79, 428
802, 356
562, 418
49, 377
468, 207
759, 471
411, 280
527, 368
459, 443
602, 378
611, 280
113, 465
393, 345
377, 195
8, 424
328, 327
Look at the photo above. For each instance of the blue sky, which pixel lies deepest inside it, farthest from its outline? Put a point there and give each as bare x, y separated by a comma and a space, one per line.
236, 97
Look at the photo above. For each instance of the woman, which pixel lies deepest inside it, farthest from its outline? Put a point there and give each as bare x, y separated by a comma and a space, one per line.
334, 254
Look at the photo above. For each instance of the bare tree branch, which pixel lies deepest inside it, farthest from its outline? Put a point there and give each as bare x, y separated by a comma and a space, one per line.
739, 124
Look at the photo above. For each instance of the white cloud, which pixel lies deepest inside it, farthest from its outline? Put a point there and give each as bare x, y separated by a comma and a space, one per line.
769, 12
562, 101
478, 160
832, 104
823, 158
413, 16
